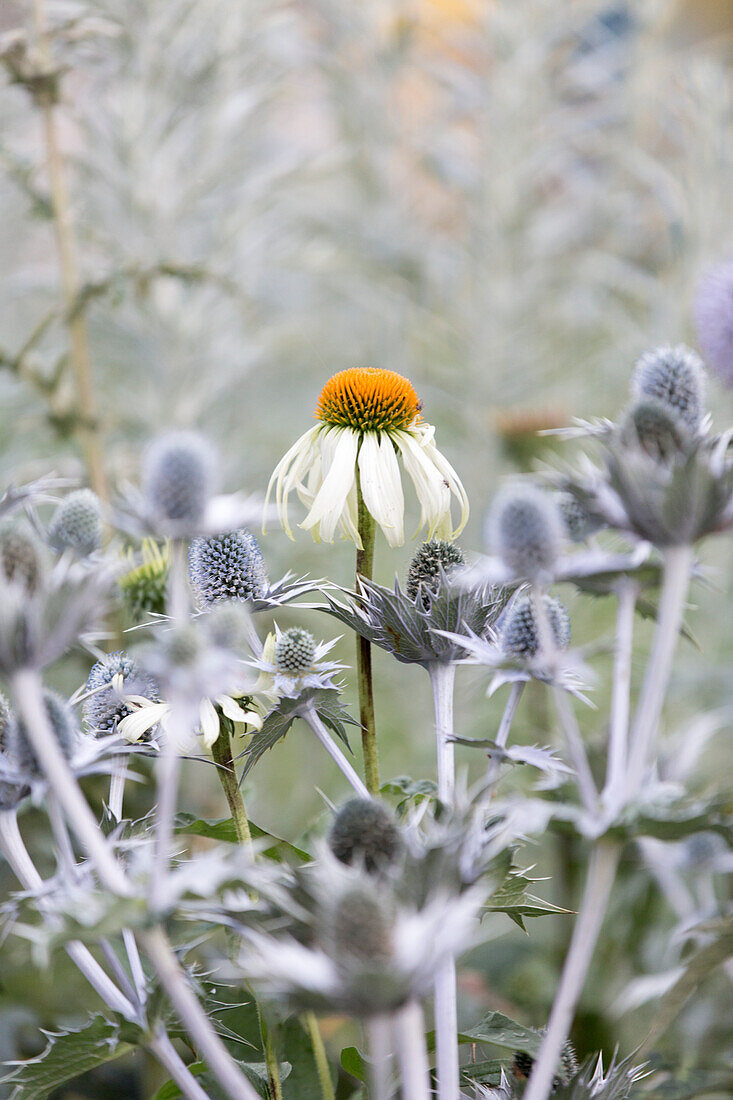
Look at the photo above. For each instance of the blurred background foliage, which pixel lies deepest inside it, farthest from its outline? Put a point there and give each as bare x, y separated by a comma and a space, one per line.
506, 200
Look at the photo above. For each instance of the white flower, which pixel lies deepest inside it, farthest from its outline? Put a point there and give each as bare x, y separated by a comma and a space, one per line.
146, 714
367, 418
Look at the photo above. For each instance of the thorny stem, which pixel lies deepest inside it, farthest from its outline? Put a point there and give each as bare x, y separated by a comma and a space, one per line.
221, 751
601, 875
677, 567
28, 692
502, 734
412, 1053
442, 679
320, 1056
312, 718
70, 281
365, 568
620, 695
379, 1033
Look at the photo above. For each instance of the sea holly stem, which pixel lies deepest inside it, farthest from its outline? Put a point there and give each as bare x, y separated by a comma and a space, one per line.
412, 1052
442, 678
379, 1035
601, 875
502, 734
365, 568
626, 592
314, 721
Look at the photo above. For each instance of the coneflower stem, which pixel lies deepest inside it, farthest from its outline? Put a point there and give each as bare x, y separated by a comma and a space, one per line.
442, 679
365, 568
221, 752
601, 875
320, 1056
412, 1052
312, 718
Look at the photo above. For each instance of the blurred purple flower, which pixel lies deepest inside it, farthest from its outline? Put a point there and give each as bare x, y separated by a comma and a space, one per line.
713, 312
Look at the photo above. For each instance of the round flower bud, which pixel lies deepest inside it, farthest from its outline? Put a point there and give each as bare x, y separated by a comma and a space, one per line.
364, 831
657, 429
60, 717
361, 929
77, 523
227, 567
674, 377
525, 529
714, 319
524, 1063
144, 588
178, 476
579, 523
520, 636
429, 559
295, 650
20, 558
106, 708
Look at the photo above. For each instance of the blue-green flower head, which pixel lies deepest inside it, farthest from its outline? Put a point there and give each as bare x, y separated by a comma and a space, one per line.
77, 523
658, 429
178, 476
578, 521
675, 377
434, 558
19, 749
525, 529
362, 926
365, 831
227, 567
295, 650
106, 707
520, 636
20, 558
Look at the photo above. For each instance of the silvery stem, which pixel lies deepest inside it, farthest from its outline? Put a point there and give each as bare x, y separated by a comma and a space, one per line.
25, 871
576, 750
505, 726
168, 767
67, 858
315, 723
620, 694
209, 1046
163, 1049
601, 874
28, 692
379, 1033
442, 678
677, 567
412, 1053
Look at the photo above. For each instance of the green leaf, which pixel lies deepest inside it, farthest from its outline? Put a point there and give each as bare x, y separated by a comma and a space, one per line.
410, 790
68, 1054
255, 1072
500, 1031
278, 722
674, 821
487, 1073
223, 829
514, 899
294, 1044
352, 1060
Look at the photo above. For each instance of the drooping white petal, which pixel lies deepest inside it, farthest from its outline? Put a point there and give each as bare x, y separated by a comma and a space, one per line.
133, 726
350, 518
454, 483
289, 472
381, 485
235, 713
209, 722
432, 492
338, 479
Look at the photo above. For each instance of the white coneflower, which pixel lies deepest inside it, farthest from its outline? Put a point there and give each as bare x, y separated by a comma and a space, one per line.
366, 418
144, 714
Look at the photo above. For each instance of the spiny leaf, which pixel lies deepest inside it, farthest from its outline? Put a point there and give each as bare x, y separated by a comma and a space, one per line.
255, 1072
500, 1031
224, 830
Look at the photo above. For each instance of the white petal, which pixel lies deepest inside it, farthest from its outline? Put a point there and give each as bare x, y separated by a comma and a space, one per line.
431, 489
290, 471
454, 482
209, 722
381, 486
134, 725
331, 498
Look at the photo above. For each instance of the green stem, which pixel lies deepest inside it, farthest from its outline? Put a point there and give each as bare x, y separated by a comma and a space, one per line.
221, 751
319, 1053
365, 568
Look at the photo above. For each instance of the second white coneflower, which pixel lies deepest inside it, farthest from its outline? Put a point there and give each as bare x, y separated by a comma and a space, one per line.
346, 471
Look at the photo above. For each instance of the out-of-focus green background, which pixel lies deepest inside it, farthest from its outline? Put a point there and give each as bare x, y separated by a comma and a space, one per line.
506, 201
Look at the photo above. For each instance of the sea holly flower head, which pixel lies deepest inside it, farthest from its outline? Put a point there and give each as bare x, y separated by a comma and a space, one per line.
432, 563
520, 635
368, 418
77, 523
675, 377
714, 319
525, 529
114, 677
229, 566
365, 831
292, 663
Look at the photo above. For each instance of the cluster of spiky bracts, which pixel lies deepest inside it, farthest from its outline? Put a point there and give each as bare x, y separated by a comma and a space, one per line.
525, 529
227, 567
144, 588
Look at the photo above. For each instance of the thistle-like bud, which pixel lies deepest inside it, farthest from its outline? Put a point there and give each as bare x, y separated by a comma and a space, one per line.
295, 650
178, 476
579, 523
19, 748
364, 831
227, 567
657, 429
674, 377
714, 319
144, 588
361, 928
20, 558
523, 1064
525, 529
77, 523
520, 636
428, 561
105, 708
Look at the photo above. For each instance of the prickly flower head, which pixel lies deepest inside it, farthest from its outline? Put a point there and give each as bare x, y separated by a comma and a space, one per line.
227, 567
434, 559
178, 476
368, 419
520, 636
365, 831
714, 319
111, 679
77, 523
18, 746
675, 377
525, 529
